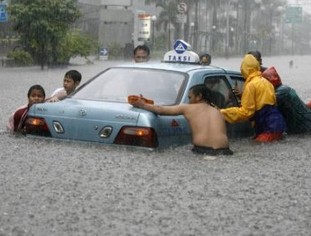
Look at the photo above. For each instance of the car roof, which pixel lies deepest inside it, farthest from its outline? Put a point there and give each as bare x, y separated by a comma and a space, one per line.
179, 67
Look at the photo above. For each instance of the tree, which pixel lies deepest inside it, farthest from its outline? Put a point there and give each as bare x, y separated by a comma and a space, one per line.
74, 44
167, 17
266, 22
42, 25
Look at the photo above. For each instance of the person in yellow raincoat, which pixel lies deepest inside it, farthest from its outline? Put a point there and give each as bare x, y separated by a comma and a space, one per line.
258, 104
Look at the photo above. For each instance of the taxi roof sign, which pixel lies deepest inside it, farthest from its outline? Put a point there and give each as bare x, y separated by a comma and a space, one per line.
181, 53
180, 46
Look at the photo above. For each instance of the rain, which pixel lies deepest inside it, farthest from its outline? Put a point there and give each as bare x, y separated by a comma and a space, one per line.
57, 187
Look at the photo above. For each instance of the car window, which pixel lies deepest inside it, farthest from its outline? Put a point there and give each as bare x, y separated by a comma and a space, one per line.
116, 84
238, 84
222, 95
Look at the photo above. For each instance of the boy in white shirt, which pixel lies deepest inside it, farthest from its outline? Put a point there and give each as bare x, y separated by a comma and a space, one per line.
72, 80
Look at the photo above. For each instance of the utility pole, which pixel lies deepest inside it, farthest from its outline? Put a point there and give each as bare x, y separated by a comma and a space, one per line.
245, 26
196, 26
227, 30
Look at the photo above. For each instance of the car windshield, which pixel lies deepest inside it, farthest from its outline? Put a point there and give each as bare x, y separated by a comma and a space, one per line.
116, 84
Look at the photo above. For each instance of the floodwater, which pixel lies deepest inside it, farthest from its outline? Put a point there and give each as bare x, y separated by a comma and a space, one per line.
70, 188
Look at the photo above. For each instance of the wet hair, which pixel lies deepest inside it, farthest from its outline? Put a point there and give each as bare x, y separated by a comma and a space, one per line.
36, 87
204, 91
74, 75
257, 55
142, 47
207, 56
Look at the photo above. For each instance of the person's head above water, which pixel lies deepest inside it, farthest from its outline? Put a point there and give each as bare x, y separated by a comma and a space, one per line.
205, 59
36, 94
141, 53
199, 92
257, 55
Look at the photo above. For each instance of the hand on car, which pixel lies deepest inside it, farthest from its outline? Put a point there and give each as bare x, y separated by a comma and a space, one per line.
139, 101
53, 99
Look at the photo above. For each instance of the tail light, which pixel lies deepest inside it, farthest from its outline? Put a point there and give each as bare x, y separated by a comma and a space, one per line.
37, 126
137, 136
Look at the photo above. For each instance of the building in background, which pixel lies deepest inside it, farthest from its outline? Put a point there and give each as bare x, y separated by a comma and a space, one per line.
221, 27
117, 23
107, 21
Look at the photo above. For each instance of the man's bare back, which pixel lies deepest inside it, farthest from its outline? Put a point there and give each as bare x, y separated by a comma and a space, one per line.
207, 125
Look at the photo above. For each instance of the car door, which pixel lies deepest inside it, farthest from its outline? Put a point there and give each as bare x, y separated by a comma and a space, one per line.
224, 97
241, 128
237, 83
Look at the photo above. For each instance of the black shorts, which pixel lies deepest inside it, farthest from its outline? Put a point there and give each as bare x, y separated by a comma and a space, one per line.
211, 151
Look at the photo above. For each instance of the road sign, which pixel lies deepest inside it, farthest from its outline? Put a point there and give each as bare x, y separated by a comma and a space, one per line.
182, 7
103, 53
181, 18
3, 13
293, 14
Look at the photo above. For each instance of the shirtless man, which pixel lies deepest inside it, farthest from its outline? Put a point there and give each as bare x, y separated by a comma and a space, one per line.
209, 134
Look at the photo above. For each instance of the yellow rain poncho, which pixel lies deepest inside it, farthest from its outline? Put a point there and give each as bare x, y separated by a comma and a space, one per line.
258, 102
257, 92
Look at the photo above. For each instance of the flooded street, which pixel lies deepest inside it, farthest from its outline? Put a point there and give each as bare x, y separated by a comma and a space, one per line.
50, 187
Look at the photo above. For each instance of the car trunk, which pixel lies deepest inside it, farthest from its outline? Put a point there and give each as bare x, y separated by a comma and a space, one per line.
85, 120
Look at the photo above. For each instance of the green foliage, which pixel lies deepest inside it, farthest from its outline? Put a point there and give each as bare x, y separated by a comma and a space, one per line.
42, 25
74, 44
20, 57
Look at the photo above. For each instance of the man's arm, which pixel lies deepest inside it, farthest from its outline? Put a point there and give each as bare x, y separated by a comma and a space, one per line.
161, 110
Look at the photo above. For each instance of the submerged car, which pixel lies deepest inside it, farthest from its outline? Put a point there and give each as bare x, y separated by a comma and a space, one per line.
99, 110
